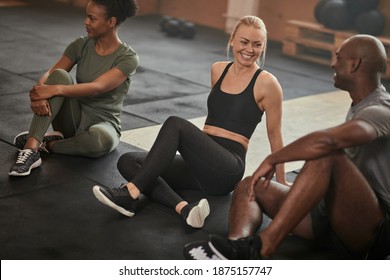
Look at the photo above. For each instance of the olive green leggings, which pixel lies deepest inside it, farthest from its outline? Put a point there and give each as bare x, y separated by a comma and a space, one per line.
96, 140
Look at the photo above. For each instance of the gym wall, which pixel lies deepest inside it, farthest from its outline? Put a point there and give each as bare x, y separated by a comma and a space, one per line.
212, 13
276, 12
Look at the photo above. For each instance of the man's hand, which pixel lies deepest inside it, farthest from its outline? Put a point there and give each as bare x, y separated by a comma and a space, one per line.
265, 170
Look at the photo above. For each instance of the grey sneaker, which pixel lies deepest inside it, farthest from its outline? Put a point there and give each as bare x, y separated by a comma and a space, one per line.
118, 199
21, 139
27, 160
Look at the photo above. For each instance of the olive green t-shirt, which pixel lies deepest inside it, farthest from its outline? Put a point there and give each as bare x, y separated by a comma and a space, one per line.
105, 107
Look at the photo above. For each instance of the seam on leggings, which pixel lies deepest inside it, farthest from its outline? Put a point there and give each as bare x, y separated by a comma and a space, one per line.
71, 111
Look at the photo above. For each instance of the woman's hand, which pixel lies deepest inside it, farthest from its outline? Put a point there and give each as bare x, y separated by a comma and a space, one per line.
284, 182
41, 108
43, 92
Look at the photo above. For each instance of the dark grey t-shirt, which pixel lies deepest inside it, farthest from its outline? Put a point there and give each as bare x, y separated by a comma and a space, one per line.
373, 159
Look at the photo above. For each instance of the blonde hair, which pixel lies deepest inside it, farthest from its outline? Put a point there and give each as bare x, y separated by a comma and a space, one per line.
256, 22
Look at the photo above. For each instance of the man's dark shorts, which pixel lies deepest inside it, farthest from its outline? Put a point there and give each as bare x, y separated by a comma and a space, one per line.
325, 237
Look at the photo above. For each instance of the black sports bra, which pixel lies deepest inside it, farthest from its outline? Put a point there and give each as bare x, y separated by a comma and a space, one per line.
238, 113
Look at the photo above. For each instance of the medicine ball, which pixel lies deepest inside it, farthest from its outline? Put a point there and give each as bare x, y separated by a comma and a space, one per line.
318, 10
187, 30
164, 22
358, 6
370, 22
335, 15
172, 27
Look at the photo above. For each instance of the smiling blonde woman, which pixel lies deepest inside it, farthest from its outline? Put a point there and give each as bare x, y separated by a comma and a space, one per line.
211, 160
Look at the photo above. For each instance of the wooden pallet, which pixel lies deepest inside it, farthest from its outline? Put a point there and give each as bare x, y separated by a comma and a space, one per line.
313, 42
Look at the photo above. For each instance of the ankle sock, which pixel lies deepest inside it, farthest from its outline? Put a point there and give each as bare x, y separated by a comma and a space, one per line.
185, 211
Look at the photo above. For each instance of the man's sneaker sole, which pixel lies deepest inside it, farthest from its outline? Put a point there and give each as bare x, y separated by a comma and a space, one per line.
198, 214
103, 199
34, 165
199, 250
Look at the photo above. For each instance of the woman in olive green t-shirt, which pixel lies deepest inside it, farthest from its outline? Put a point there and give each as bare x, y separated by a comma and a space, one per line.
84, 115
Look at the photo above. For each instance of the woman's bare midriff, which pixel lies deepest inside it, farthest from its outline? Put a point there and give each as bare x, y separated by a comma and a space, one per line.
220, 132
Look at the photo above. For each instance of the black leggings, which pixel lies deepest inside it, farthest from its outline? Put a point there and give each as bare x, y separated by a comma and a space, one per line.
213, 165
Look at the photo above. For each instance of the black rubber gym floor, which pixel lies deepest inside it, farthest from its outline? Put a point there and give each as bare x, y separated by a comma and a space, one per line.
52, 214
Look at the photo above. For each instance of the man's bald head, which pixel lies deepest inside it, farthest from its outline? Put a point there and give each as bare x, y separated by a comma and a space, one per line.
370, 50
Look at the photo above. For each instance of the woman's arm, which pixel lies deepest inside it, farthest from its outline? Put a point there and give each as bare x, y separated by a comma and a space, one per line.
104, 83
270, 95
63, 63
216, 71
42, 107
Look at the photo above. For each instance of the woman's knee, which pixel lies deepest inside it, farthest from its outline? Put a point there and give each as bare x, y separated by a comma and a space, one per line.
59, 77
130, 159
100, 143
129, 163
174, 122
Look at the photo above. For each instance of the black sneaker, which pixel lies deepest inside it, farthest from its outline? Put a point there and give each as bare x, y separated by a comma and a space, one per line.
21, 139
27, 160
196, 214
118, 199
199, 250
241, 249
